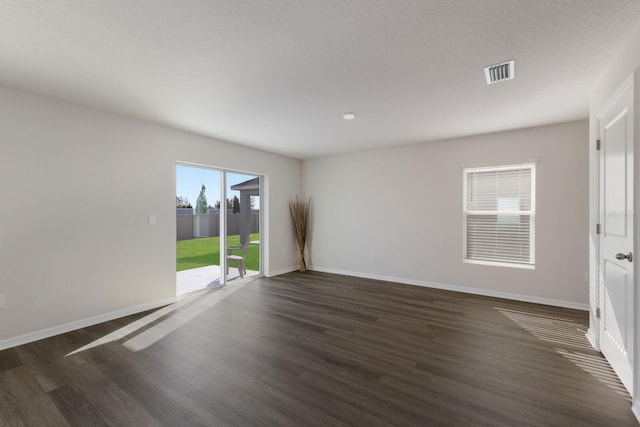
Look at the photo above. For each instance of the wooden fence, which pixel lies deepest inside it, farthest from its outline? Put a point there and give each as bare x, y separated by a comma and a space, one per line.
208, 225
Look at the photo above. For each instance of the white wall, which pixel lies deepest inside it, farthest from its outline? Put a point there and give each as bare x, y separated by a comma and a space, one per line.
397, 214
98, 259
626, 64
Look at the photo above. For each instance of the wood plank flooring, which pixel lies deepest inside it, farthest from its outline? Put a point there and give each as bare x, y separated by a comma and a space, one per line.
318, 349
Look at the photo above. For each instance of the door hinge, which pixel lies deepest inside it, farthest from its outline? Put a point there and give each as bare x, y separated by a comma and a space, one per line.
597, 144
597, 228
597, 312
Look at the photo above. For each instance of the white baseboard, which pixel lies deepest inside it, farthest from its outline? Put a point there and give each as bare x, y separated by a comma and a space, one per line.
457, 288
72, 326
592, 338
636, 411
281, 271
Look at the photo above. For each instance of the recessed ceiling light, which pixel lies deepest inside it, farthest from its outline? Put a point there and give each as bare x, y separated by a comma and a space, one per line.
500, 72
349, 116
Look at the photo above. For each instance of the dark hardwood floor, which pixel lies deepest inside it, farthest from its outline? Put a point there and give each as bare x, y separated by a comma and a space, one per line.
318, 349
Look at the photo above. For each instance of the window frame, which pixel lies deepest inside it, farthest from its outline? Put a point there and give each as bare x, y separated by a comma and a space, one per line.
531, 213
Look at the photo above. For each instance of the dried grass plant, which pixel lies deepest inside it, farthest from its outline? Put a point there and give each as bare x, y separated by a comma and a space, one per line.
300, 216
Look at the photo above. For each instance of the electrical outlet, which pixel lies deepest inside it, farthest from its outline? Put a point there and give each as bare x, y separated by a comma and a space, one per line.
1, 300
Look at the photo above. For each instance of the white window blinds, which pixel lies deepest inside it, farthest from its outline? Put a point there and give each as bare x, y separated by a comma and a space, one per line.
499, 214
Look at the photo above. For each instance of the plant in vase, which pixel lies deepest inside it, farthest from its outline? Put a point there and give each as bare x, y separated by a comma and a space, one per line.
300, 216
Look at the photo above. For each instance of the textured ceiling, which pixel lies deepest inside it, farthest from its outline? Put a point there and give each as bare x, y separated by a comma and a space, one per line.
278, 74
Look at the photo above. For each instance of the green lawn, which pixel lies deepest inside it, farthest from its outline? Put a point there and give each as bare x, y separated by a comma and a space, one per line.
205, 251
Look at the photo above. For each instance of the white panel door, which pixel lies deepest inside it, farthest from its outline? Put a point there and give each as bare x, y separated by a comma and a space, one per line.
616, 238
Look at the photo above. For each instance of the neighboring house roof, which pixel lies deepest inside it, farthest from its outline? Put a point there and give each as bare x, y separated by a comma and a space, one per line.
252, 184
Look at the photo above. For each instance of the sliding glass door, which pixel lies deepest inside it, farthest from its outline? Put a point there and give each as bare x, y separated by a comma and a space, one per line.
218, 227
243, 225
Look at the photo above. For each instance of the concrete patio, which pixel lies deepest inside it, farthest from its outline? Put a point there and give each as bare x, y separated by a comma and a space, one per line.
197, 279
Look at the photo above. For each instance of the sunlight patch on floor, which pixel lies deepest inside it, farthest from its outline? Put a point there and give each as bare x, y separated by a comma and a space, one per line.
598, 367
173, 320
550, 329
568, 334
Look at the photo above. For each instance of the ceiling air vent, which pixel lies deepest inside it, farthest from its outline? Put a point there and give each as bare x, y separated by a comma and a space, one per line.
500, 72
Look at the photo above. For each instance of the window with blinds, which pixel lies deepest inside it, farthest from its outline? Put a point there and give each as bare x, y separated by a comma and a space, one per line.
499, 215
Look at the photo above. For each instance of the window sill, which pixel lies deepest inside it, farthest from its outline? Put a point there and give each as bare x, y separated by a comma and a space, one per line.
500, 264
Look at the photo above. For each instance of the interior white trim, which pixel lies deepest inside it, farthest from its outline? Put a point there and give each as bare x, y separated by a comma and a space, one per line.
499, 264
636, 411
626, 85
281, 271
83, 323
457, 288
592, 337
496, 164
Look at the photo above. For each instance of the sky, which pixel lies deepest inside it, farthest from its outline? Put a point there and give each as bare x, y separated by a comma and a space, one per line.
189, 181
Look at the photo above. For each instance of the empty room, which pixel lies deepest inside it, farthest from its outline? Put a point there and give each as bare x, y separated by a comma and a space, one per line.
388, 213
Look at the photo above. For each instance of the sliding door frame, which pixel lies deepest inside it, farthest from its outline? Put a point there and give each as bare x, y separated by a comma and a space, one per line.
223, 215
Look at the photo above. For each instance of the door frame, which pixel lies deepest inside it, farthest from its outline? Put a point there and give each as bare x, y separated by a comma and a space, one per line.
223, 214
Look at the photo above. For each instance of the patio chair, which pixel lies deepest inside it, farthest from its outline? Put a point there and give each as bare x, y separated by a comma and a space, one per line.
239, 259
232, 248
